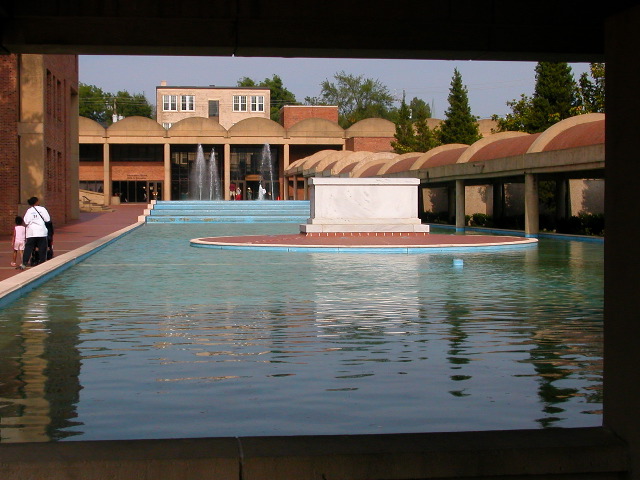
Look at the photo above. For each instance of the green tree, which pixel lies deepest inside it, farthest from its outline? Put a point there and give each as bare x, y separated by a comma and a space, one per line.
420, 110
357, 98
279, 94
591, 90
554, 99
102, 106
405, 136
459, 125
93, 103
412, 131
127, 105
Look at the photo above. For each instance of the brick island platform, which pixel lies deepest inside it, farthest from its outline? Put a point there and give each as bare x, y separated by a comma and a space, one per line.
366, 242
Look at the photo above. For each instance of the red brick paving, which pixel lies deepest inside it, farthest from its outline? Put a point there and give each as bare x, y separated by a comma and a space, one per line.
381, 239
89, 227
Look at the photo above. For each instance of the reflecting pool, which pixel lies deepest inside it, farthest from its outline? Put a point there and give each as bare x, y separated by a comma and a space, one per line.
152, 338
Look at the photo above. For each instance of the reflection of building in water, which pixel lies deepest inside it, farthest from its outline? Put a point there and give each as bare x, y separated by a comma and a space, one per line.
366, 294
40, 383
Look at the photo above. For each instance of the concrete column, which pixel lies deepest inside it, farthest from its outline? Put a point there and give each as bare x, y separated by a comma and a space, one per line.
227, 170
295, 187
531, 208
563, 210
106, 162
622, 256
451, 204
73, 170
166, 190
498, 200
460, 205
284, 189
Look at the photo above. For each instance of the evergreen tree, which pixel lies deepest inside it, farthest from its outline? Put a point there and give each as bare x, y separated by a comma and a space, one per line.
459, 125
419, 110
405, 138
591, 93
413, 134
426, 139
554, 99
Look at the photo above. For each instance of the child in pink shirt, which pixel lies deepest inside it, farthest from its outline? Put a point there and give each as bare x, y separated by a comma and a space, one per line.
18, 240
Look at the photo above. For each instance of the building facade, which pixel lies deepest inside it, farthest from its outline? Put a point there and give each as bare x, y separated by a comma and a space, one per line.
137, 159
38, 132
224, 105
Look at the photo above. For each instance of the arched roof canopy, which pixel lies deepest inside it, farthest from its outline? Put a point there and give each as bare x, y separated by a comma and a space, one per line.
371, 127
488, 142
136, 127
328, 163
505, 146
401, 163
335, 155
355, 163
442, 155
577, 131
316, 127
87, 126
295, 167
257, 127
197, 127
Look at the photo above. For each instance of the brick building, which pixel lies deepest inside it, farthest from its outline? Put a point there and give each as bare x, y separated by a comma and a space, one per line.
38, 132
225, 105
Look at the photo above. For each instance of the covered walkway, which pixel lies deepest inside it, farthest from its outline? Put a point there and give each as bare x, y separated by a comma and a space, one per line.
570, 149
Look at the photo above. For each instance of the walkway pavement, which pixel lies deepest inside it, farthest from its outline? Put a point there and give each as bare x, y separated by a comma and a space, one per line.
78, 233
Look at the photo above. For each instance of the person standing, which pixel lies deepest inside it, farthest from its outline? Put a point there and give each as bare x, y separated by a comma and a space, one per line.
34, 220
18, 240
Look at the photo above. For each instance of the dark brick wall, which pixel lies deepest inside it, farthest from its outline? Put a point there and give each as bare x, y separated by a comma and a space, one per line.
9, 146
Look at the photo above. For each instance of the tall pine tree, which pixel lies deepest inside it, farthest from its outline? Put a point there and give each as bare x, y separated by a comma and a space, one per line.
405, 135
554, 99
459, 125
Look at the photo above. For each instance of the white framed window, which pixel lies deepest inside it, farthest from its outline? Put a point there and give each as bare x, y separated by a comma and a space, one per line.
170, 103
239, 103
187, 103
257, 103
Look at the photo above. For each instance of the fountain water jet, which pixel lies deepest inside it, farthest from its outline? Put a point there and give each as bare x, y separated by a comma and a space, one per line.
266, 172
205, 178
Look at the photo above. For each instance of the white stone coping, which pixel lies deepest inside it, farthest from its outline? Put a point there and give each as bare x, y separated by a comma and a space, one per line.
13, 288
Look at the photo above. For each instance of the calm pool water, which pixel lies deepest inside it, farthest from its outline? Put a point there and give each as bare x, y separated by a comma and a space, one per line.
152, 338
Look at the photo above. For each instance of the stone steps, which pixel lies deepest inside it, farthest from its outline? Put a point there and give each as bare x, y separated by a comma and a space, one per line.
217, 211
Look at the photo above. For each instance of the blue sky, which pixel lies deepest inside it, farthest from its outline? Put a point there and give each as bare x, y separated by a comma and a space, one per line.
490, 84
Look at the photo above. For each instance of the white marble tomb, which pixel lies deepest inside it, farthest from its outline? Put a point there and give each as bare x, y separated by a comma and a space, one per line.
363, 205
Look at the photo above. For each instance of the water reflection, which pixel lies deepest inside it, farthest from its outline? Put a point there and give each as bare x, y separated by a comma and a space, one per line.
40, 367
215, 343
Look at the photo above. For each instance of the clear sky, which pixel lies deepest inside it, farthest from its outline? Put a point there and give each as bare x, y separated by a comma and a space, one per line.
490, 84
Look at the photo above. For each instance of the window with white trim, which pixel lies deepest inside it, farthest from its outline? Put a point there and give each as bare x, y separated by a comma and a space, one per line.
239, 103
170, 103
187, 103
257, 103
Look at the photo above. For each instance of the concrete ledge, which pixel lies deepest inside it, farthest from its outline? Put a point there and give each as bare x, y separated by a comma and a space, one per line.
541, 454
13, 288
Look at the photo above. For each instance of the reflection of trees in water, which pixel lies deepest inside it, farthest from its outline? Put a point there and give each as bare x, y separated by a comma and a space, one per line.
558, 357
39, 369
457, 337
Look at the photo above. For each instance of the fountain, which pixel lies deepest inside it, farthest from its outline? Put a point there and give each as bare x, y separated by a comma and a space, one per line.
215, 192
205, 178
266, 172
